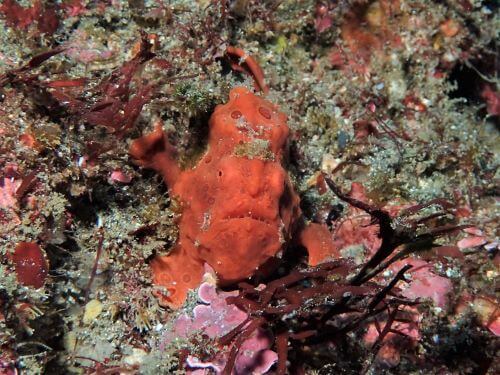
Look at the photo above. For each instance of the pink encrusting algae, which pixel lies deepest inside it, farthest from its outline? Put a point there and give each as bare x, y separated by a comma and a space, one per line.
215, 318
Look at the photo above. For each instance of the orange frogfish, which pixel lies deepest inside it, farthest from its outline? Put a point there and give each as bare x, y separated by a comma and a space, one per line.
238, 204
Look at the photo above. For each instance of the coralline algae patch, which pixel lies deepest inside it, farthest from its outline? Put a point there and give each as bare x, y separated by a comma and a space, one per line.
394, 102
215, 318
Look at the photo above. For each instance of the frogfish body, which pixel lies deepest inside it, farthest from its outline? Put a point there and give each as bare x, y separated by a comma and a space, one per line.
238, 204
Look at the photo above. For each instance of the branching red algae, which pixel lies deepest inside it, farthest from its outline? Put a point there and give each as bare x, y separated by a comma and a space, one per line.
311, 306
114, 108
100, 243
16, 16
17, 75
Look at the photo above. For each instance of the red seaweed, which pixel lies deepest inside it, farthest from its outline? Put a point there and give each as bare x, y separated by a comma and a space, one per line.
31, 264
26, 184
16, 16
316, 305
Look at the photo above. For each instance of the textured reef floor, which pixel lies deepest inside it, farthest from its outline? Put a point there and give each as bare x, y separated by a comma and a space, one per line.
393, 109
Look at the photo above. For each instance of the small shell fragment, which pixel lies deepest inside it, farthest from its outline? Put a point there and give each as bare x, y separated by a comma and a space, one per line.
92, 310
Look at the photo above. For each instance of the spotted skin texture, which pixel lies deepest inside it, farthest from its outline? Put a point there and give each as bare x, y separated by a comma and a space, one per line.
238, 204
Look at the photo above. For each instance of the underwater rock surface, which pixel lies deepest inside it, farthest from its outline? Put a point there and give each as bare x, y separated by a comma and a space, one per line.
384, 244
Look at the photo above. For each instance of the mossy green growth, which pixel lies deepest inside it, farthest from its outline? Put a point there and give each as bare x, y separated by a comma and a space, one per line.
193, 97
255, 149
281, 44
